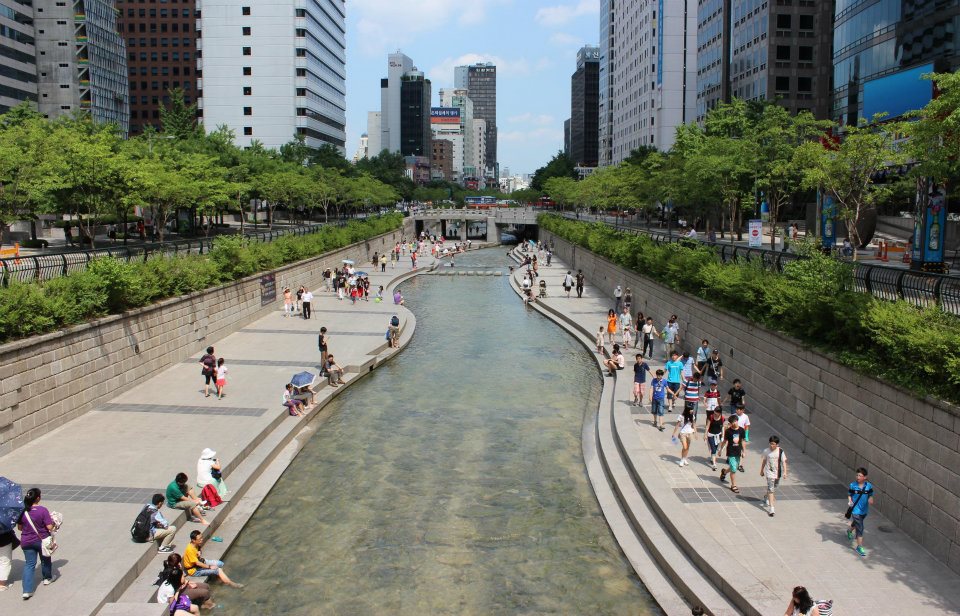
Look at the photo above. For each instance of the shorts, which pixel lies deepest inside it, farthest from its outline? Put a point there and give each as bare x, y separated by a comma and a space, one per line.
638, 388
209, 378
686, 439
656, 408
734, 462
856, 521
673, 389
185, 505
713, 440
772, 484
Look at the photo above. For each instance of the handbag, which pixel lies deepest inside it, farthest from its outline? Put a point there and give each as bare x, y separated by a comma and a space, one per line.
47, 546
849, 512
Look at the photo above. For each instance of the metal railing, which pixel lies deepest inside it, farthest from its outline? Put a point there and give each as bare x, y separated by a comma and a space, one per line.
48, 266
922, 289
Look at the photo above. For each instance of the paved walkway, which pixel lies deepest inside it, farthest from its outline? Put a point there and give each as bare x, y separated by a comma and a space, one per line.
100, 469
805, 544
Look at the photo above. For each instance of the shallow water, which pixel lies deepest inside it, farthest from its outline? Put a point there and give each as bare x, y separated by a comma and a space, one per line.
450, 481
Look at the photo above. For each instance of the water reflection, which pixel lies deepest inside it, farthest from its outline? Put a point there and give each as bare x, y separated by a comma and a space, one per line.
448, 482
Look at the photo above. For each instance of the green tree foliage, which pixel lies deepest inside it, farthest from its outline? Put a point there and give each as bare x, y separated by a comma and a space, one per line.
178, 118
559, 166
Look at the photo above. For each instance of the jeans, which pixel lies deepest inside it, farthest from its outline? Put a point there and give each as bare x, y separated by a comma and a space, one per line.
30, 554
207, 572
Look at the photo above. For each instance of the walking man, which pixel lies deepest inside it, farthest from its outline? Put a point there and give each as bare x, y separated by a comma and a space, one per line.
307, 299
618, 295
322, 344
671, 336
568, 283
733, 438
579, 283
774, 469
859, 499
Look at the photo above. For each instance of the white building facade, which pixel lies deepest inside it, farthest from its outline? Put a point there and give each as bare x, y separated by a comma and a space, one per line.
650, 53
273, 69
373, 133
398, 65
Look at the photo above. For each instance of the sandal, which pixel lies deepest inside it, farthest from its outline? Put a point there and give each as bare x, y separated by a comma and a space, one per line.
735, 489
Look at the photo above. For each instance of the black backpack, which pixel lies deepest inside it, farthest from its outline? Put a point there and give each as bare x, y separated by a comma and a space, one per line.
140, 531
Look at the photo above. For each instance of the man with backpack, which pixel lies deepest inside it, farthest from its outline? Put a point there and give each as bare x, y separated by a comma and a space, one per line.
774, 469
150, 525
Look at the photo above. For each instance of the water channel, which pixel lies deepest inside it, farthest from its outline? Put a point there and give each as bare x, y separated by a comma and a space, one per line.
450, 481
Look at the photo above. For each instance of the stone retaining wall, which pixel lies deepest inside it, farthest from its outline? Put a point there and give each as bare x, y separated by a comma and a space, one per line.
48, 380
843, 419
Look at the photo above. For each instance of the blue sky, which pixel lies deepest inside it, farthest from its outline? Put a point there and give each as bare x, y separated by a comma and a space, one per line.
533, 43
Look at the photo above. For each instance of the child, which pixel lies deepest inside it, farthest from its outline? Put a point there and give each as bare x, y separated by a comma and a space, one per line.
600, 340
736, 395
627, 338
744, 421
640, 372
221, 378
658, 396
379, 297
712, 397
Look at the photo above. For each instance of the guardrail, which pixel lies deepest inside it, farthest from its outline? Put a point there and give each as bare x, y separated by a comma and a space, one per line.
922, 289
54, 265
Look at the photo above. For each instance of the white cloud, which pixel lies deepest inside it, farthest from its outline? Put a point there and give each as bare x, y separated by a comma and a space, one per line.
442, 73
562, 39
562, 14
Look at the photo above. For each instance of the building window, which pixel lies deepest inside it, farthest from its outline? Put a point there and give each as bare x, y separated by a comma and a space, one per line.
248, 111
783, 84
247, 130
804, 84
247, 71
246, 30
783, 52
247, 91
245, 10
806, 22
783, 22
247, 51
806, 54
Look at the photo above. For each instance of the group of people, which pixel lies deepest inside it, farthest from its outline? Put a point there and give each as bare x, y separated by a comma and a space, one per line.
301, 304
37, 526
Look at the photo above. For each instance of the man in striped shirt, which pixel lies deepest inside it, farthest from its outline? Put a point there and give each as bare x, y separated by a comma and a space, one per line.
691, 395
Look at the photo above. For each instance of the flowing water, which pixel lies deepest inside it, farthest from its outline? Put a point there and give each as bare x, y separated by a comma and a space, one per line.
450, 481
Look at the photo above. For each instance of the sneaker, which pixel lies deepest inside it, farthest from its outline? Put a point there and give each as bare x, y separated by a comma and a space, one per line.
849, 535
713, 467
27, 595
686, 462
661, 428
680, 463
49, 580
771, 512
163, 549
861, 551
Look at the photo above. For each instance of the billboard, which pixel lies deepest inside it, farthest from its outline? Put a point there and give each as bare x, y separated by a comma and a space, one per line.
898, 93
445, 115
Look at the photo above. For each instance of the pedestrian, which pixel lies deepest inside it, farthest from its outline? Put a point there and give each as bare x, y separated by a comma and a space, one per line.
688, 365
733, 443
208, 370
638, 324
612, 322
307, 303
299, 305
287, 302
774, 469
626, 325
703, 354
327, 274
36, 525
8, 543
711, 397
691, 395
628, 299
658, 396
713, 434
322, 344
736, 395
640, 371
600, 347
744, 421
687, 429
714, 367
859, 498
649, 332
670, 335
579, 283
221, 378
383, 263
674, 378
567, 283
801, 604
618, 296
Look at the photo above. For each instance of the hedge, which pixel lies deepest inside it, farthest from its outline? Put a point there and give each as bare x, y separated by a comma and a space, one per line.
813, 300
110, 286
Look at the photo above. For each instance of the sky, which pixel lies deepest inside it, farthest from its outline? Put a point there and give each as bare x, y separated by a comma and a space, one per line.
534, 44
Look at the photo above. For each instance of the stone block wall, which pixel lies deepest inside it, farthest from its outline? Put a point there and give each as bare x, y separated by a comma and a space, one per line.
840, 417
46, 381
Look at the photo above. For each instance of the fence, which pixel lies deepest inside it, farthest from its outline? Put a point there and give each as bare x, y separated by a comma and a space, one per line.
49, 266
921, 289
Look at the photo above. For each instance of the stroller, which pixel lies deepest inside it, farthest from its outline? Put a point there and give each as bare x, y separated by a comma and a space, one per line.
543, 288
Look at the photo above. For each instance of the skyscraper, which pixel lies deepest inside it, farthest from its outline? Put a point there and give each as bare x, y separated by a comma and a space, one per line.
397, 66
652, 60
273, 69
607, 43
81, 61
776, 52
481, 82
415, 133
876, 38
584, 108
161, 46
18, 80
373, 133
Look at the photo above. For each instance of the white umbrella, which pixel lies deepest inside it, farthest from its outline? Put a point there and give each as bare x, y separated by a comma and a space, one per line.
348, 261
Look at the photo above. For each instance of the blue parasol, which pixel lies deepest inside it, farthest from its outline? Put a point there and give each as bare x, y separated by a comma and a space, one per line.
361, 273
11, 503
303, 379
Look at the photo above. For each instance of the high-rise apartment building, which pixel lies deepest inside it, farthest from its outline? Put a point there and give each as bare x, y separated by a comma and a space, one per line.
481, 82
460, 99
764, 51
161, 41
415, 133
81, 61
606, 65
447, 127
877, 38
18, 68
653, 63
441, 160
398, 65
585, 108
479, 157
272, 69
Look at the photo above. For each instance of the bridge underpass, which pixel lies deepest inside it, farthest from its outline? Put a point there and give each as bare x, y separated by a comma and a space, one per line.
482, 225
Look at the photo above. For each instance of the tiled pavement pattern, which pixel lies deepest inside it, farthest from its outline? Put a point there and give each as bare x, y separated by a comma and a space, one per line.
97, 494
182, 410
805, 543
295, 332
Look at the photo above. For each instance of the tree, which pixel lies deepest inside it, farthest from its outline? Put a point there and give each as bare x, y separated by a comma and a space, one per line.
560, 165
563, 190
847, 170
329, 157
178, 118
323, 187
24, 188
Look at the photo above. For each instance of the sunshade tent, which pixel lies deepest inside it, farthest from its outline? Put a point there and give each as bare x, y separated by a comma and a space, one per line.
11, 503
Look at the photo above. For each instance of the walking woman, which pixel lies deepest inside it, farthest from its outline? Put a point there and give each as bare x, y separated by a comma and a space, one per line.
611, 325
35, 525
8, 542
638, 325
687, 428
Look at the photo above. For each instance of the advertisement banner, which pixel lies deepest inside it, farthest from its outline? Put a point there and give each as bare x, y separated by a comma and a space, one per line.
445, 115
756, 233
828, 221
936, 225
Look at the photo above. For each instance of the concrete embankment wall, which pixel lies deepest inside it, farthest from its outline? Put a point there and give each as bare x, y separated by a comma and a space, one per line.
843, 419
48, 380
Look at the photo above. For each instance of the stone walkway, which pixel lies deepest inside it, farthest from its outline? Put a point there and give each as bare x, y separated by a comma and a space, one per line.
805, 544
100, 469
